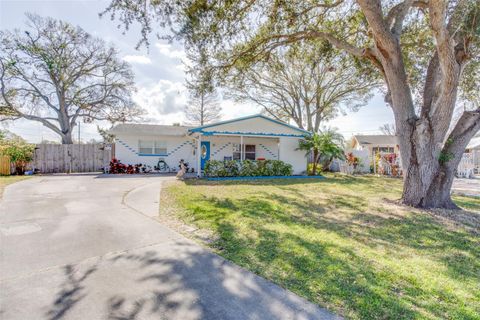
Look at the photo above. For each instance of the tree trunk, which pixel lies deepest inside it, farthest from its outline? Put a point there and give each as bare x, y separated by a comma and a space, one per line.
315, 161
67, 138
438, 195
433, 191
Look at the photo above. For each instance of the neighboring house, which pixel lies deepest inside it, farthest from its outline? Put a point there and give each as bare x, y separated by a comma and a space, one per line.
367, 146
474, 149
376, 143
254, 137
470, 163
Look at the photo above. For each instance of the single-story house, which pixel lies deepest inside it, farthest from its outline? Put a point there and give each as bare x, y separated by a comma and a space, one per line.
367, 146
472, 156
253, 137
376, 144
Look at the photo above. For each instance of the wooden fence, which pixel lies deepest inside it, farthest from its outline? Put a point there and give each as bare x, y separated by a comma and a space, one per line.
66, 158
4, 165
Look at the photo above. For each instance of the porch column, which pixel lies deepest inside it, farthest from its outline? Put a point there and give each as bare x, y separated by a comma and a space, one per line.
241, 148
278, 149
199, 155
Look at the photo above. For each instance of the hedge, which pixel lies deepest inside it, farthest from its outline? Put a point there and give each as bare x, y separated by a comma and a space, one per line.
247, 168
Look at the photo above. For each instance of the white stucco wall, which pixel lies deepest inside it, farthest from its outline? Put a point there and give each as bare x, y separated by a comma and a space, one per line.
273, 141
126, 150
289, 154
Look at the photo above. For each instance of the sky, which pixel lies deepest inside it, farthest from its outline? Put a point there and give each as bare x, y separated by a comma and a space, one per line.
159, 73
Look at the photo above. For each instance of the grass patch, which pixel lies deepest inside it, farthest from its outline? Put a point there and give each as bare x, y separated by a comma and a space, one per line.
341, 243
6, 180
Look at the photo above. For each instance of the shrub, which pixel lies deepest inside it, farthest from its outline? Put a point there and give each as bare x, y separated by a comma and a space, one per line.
231, 168
247, 168
18, 150
280, 168
264, 168
310, 169
213, 168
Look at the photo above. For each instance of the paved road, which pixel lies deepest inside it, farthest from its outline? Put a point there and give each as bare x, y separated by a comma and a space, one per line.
469, 187
87, 247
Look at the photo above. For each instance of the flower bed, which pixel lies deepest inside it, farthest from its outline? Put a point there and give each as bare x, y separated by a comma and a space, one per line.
247, 168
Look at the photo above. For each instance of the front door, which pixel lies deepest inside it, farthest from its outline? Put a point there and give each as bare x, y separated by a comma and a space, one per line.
204, 153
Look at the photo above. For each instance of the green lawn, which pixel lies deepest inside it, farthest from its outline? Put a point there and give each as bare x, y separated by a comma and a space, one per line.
342, 243
6, 180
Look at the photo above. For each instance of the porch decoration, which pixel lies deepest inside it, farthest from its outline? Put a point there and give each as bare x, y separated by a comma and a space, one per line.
350, 165
387, 164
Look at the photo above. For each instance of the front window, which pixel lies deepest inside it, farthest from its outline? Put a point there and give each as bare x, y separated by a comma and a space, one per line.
249, 151
152, 147
383, 150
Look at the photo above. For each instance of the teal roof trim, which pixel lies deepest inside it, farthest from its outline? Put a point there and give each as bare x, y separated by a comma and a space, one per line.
253, 134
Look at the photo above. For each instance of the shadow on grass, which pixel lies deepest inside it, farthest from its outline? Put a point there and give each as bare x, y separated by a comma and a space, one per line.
469, 203
335, 275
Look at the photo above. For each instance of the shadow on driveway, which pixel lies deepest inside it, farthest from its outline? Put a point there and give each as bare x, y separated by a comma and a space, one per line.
187, 283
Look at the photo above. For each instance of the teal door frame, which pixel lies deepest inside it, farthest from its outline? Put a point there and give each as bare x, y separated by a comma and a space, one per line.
204, 153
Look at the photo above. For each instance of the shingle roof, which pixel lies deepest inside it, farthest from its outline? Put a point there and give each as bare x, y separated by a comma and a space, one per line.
377, 139
149, 129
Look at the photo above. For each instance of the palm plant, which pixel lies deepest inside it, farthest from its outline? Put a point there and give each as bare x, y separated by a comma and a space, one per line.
325, 145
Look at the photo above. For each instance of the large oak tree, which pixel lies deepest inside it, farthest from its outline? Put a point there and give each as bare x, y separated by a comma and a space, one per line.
309, 84
425, 51
57, 74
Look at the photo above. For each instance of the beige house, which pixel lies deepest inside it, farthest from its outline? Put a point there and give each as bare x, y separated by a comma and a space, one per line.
376, 144
367, 146
472, 155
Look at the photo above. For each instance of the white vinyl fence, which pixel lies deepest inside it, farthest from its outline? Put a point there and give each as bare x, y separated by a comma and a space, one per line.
466, 166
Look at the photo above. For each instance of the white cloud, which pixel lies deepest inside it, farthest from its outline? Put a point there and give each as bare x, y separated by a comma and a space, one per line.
232, 109
168, 50
164, 101
137, 59
181, 67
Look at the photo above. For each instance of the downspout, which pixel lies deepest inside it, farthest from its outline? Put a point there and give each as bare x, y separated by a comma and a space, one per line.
241, 149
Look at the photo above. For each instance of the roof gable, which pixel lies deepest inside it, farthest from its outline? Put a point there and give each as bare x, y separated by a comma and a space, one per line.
376, 139
251, 125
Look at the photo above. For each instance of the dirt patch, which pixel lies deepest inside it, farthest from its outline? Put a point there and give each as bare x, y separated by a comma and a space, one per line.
461, 218
451, 219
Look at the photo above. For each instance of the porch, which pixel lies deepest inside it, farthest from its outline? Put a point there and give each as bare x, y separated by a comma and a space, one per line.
234, 147
249, 138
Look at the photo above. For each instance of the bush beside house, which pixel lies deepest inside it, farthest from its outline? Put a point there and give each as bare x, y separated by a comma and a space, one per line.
247, 168
17, 150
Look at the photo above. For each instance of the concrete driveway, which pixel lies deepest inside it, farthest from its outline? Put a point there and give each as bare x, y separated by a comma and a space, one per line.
88, 247
468, 187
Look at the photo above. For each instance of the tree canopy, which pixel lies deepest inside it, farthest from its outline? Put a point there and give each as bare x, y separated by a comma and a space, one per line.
309, 84
424, 50
58, 74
